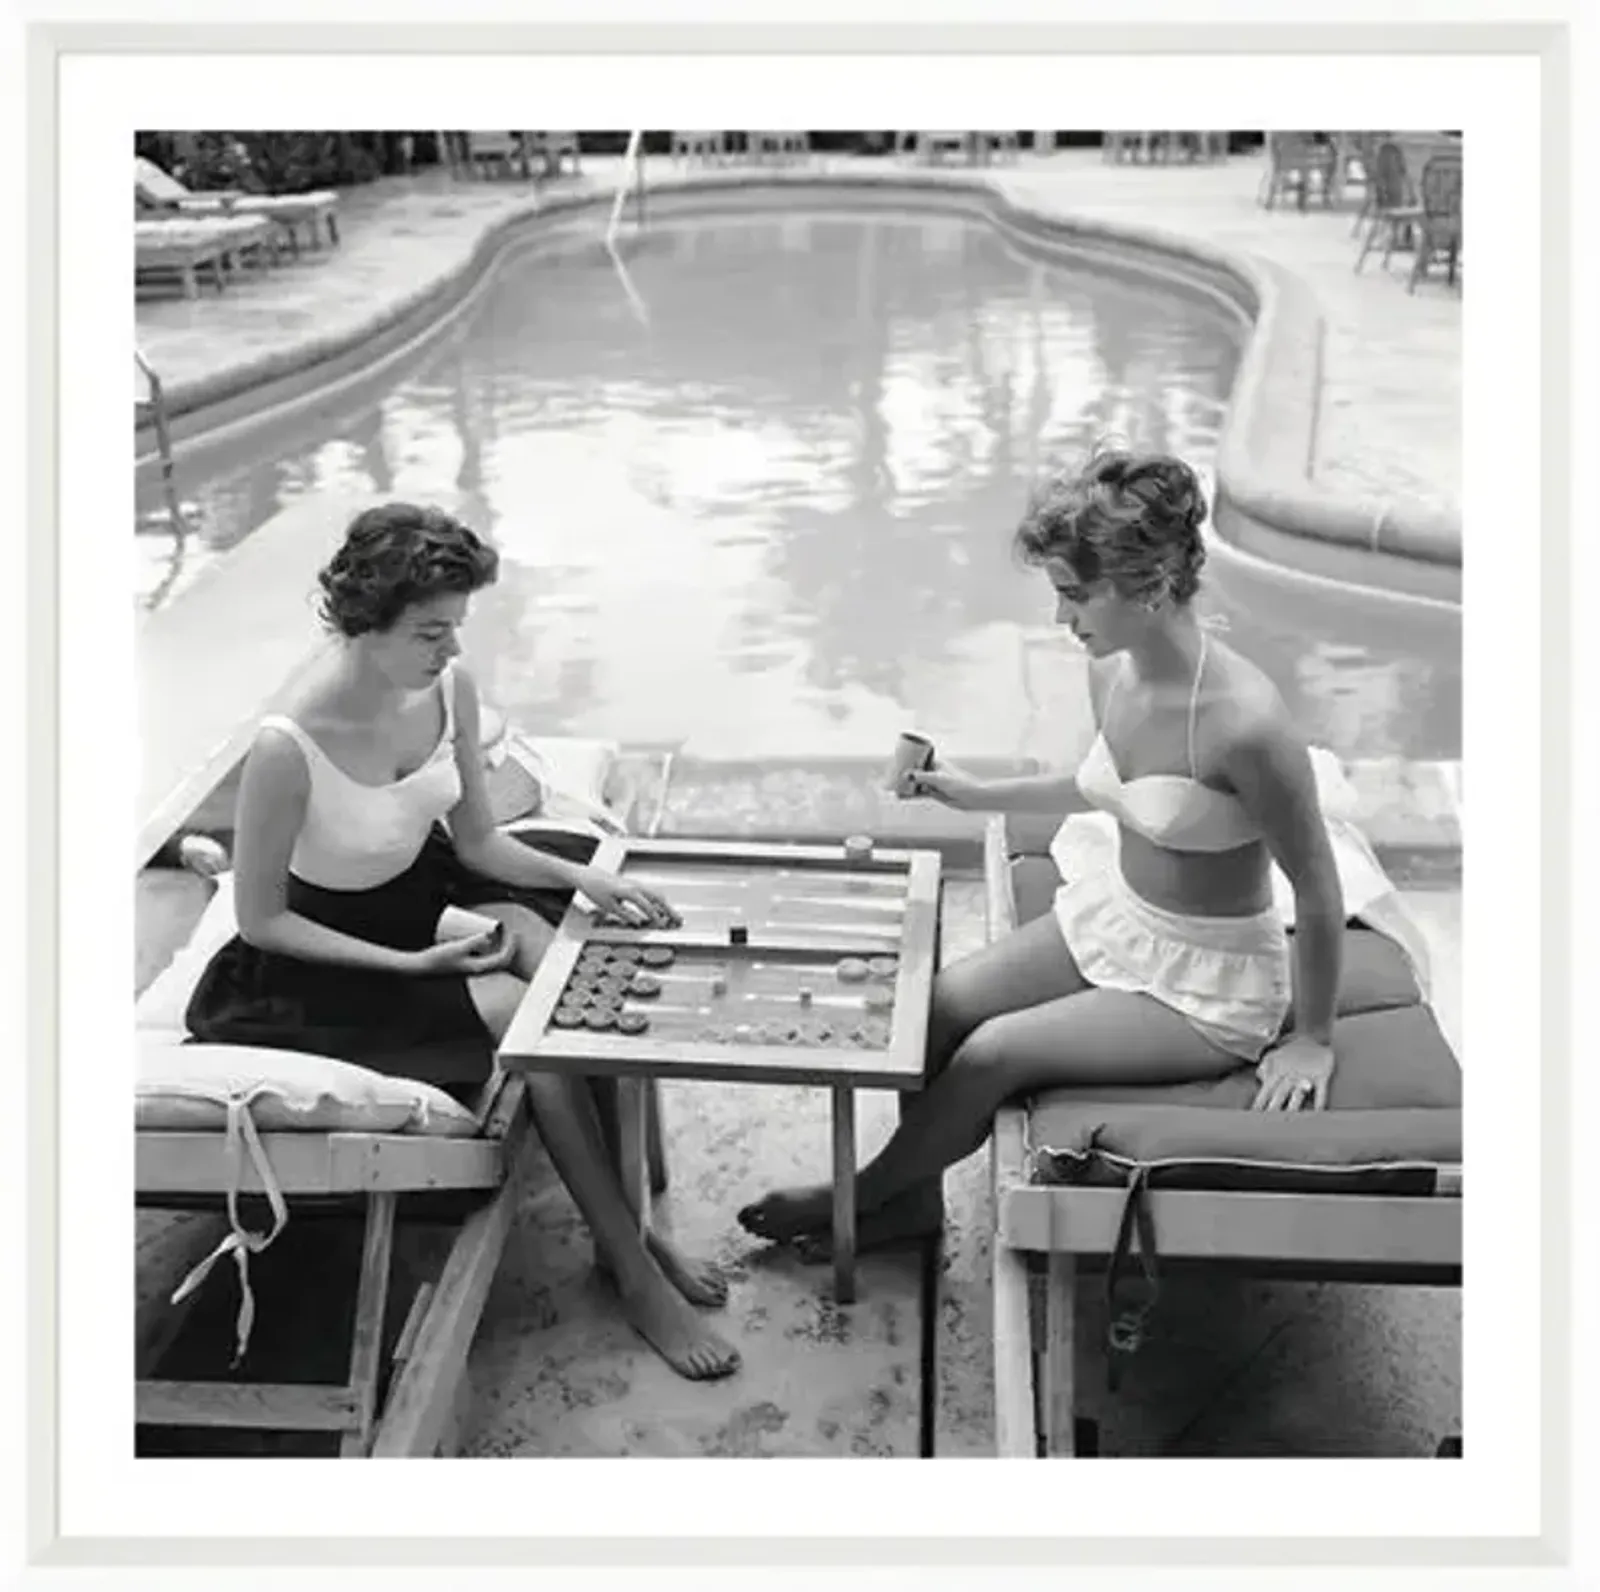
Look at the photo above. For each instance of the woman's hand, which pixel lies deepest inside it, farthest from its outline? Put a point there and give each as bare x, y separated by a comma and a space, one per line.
621, 900
950, 786
492, 951
1294, 1076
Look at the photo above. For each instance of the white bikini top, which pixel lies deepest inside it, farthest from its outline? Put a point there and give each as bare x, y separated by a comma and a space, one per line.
358, 836
1171, 810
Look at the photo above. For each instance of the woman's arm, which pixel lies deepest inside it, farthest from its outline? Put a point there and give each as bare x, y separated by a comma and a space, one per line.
484, 849
273, 793
477, 841
1054, 793
1270, 768
1026, 793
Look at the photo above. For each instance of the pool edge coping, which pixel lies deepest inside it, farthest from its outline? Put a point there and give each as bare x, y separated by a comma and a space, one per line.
1263, 472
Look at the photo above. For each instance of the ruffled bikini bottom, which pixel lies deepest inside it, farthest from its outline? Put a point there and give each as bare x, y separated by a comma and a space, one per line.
1229, 977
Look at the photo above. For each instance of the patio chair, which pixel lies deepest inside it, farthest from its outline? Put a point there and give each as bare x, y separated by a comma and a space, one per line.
1438, 228
1366, 156
503, 154
1351, 165
1147, 1180
1006, 146
552, 149
179, 249
1296, 163
158, 193
1130, 146
709, 147
932, 147
1395, 212
782, 145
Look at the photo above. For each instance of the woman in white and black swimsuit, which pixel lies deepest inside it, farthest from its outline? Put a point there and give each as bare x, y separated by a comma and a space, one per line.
363, 820
1164, 960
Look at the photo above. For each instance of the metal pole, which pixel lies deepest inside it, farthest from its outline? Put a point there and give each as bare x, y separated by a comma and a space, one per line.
158, 416
630, 165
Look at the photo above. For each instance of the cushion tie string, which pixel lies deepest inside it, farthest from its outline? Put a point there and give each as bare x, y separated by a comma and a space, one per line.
240, 1242
1125, 1330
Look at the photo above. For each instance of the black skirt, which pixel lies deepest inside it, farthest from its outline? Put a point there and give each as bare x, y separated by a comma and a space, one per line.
405, 1025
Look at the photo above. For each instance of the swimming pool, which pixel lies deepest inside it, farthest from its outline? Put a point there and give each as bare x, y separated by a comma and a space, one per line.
756, 499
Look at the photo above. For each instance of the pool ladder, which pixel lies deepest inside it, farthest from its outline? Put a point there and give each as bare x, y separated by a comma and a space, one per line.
178, 518
157, 405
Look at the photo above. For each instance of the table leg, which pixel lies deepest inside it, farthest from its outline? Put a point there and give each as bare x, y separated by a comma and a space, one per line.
633, 1114
844, 1194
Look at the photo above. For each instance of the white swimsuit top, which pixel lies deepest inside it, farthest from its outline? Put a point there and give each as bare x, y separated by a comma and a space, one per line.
1172, 810
356, 836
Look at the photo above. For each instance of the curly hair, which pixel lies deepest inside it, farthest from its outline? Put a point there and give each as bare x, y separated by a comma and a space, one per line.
397, 555
1132, 519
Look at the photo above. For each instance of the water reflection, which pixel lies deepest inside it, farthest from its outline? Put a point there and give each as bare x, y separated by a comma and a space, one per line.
777, 517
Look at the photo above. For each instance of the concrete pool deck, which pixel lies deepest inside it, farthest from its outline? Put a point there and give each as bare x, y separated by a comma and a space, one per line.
1390, 422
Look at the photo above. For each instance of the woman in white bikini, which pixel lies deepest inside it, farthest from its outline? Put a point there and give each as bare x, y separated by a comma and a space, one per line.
363, 818
1165, 959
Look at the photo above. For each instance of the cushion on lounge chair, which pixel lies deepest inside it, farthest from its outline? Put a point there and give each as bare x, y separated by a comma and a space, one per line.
158, 187
188, 1088
1394, 1106
160, 1009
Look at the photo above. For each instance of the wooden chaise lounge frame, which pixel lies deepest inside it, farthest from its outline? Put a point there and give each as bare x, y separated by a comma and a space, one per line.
1344, 1237
429, 1358
180, 247
271, 639
158, 192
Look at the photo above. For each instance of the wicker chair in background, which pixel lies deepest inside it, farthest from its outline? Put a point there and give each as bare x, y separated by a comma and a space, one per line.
1295, 161
1395, 212
1439, 224
1367, 154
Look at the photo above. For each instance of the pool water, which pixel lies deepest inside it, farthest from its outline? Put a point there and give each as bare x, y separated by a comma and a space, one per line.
755, 497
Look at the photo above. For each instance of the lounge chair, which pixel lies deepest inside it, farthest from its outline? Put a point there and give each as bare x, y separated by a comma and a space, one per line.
402, 1393
261, 587
180, 249
159, 193
1133, 1181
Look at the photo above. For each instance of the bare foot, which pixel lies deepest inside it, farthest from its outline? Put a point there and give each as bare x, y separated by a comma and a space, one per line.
785, 1213
699, 1281
675, 1332
914, 1215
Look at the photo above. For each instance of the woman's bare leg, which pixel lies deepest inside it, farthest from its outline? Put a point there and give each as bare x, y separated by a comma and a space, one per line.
1026, 967
701, 1282
1094, 1037
565, 1113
